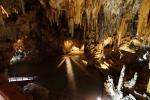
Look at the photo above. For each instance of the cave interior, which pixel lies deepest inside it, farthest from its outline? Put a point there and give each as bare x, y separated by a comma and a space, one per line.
74, 50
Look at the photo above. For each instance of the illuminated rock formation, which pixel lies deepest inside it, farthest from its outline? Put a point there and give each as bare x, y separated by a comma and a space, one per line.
116, 93
144, 20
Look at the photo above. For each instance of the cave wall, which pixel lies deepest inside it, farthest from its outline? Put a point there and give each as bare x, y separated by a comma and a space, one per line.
17, 22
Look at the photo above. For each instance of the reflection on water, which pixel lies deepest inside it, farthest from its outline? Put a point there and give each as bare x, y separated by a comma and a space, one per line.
56, 80
70, 74
17, 79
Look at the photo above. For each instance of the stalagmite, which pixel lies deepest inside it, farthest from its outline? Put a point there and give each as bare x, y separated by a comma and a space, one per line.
120, 82
116, 93
130, 84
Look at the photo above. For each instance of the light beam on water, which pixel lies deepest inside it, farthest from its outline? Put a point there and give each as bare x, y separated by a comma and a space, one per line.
70, 74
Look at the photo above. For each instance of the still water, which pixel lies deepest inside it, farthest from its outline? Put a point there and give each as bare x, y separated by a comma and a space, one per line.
88, 86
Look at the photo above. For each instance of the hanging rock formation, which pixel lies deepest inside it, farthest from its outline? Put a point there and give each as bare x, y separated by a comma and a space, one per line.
143, 28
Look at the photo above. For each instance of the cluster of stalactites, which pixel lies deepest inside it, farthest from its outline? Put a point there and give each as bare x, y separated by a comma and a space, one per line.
89, 10
86, 12
115, 10
75, 10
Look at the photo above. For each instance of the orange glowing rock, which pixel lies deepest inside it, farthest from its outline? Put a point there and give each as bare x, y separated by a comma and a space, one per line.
19, 45
67, 46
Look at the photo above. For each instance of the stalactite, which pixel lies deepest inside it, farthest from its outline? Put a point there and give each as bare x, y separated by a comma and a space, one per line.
73, 9
136, 5
88, 16
22, 6
74, 12
95, 12
71, 12
3, 14
143, 17
79, 4
122, 30
88, 10
112, 12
